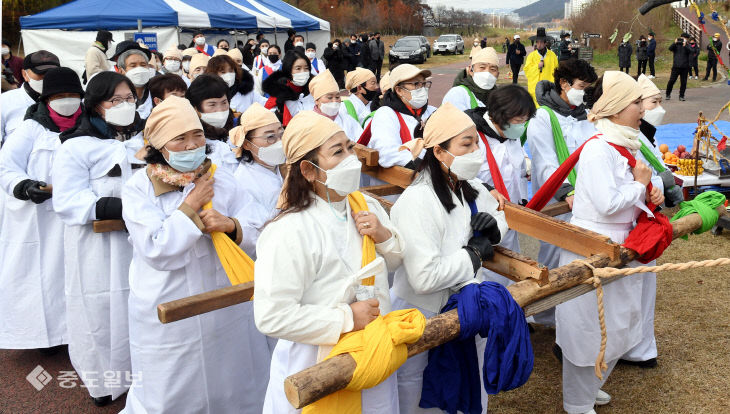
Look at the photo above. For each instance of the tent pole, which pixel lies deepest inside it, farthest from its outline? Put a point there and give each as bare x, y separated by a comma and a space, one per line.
178, 35
139, 25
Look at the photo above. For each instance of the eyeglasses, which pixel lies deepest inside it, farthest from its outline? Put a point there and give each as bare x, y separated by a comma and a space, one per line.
271, 138
419, 84
118, 99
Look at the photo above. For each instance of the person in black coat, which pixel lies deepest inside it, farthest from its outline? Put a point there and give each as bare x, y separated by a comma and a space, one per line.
693, 57
651, 54
712, 58
680, 66
336, 61
566, 49
365, 60
624, 56
515, 57
642, 55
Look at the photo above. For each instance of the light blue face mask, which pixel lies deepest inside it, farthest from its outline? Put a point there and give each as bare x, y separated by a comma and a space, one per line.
186, 161
514, 131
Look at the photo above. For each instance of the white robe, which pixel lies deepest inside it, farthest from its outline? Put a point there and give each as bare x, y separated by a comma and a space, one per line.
362, 110
435, 266
460, 98
240, 102
14, 103
262, 186
607, 201
213, 363
222, 155
304, 287
386, 139
32, 301
304, 103
96, 264
545, 161
145, 108
352, 129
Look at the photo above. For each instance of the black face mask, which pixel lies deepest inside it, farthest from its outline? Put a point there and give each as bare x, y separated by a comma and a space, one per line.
273, 58
370, 95
225, 48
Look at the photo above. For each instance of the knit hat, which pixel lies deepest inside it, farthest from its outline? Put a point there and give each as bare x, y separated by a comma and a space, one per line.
171, 118
619, 90
323, 84
41, 61
104, 36
61, 80
487, 55
311, 45
358, 77
173, 52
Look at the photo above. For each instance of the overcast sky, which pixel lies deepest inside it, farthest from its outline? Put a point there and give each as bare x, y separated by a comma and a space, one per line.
480, 4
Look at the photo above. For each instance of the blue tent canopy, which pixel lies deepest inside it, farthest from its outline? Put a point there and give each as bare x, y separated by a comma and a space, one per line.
102, 14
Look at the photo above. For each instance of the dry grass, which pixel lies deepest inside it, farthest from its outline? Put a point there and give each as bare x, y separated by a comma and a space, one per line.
692, 329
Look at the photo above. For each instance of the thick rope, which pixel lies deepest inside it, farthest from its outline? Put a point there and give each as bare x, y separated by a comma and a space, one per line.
605, 272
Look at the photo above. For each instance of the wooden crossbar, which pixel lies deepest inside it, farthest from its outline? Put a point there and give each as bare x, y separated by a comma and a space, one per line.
106, 226
204, 302
383, 189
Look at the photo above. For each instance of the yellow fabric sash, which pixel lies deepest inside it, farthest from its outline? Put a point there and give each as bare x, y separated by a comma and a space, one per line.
378, 350
236, 263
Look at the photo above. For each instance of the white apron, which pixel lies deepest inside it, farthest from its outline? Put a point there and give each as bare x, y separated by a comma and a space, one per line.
96, 264
217, 362
32, 303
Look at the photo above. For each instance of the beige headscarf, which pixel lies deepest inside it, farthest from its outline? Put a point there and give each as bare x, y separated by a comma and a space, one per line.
197, 61
236, 55
358, 77
486, 55
323, 84
445, 123
619, 90
191, 51
384, 82
171, 118
173, 52
219, 52
306, 132
256, 116
648, 89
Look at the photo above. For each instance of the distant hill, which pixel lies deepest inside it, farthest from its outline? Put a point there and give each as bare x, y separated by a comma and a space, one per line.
542, 10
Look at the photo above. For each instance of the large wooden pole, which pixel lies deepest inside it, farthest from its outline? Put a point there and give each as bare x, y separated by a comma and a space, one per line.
332, 375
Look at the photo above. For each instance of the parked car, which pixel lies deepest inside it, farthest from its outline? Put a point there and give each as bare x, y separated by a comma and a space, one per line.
448, 43
407, 49
424, 43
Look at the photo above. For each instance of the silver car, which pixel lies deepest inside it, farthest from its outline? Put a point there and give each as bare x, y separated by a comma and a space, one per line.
448, 43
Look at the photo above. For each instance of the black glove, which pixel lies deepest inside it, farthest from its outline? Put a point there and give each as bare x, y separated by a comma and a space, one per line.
479, 249
31, 190
487, 226
673, 196
109, 208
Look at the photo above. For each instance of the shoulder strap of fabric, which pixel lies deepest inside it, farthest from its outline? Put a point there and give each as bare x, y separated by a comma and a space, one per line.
651, 158
351, 110
474, 211
358, 204
632, 163
472, 98
370, 115
405, 133
561, 148
548, 190
366, 135
494, 168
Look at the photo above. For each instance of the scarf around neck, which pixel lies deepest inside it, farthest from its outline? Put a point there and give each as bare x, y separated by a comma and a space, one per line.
621, 135
548, 95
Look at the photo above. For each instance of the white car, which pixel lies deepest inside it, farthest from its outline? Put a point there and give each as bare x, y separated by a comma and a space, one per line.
448, 43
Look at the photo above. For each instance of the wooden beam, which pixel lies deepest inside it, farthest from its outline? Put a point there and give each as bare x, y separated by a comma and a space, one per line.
383, 189
516, 267
396, 175
368, 156
106, 226
204, 302
556, 209
560, 233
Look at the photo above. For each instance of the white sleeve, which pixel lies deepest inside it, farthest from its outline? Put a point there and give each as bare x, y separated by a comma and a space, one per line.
428, 269
458, 97
542, 145
284, 270
386, 140
610, 197
14, 156
392, 249
164, 242
73, 198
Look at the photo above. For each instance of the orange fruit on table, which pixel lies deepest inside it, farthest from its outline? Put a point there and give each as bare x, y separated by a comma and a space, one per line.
664, 148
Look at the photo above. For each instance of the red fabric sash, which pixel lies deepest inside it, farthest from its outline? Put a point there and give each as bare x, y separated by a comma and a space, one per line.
201, 50
494, 169
405, 133
271, 103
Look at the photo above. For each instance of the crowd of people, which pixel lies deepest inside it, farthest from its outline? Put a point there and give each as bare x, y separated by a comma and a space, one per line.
257, 143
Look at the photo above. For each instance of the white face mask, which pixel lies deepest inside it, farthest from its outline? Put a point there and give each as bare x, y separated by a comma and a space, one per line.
200, 41
186, 66
484, 80
272, 155
36, 85
419, 98
121, 115
466, 166
299, 44
264, 50
216, 119
575, 96
153, 72
5, 51
655, 116
139, 76
65, 106
330, 108
514, 131
344, 178
301, 78
229, 78
311, 55
335, 46
476, 43
173, 65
